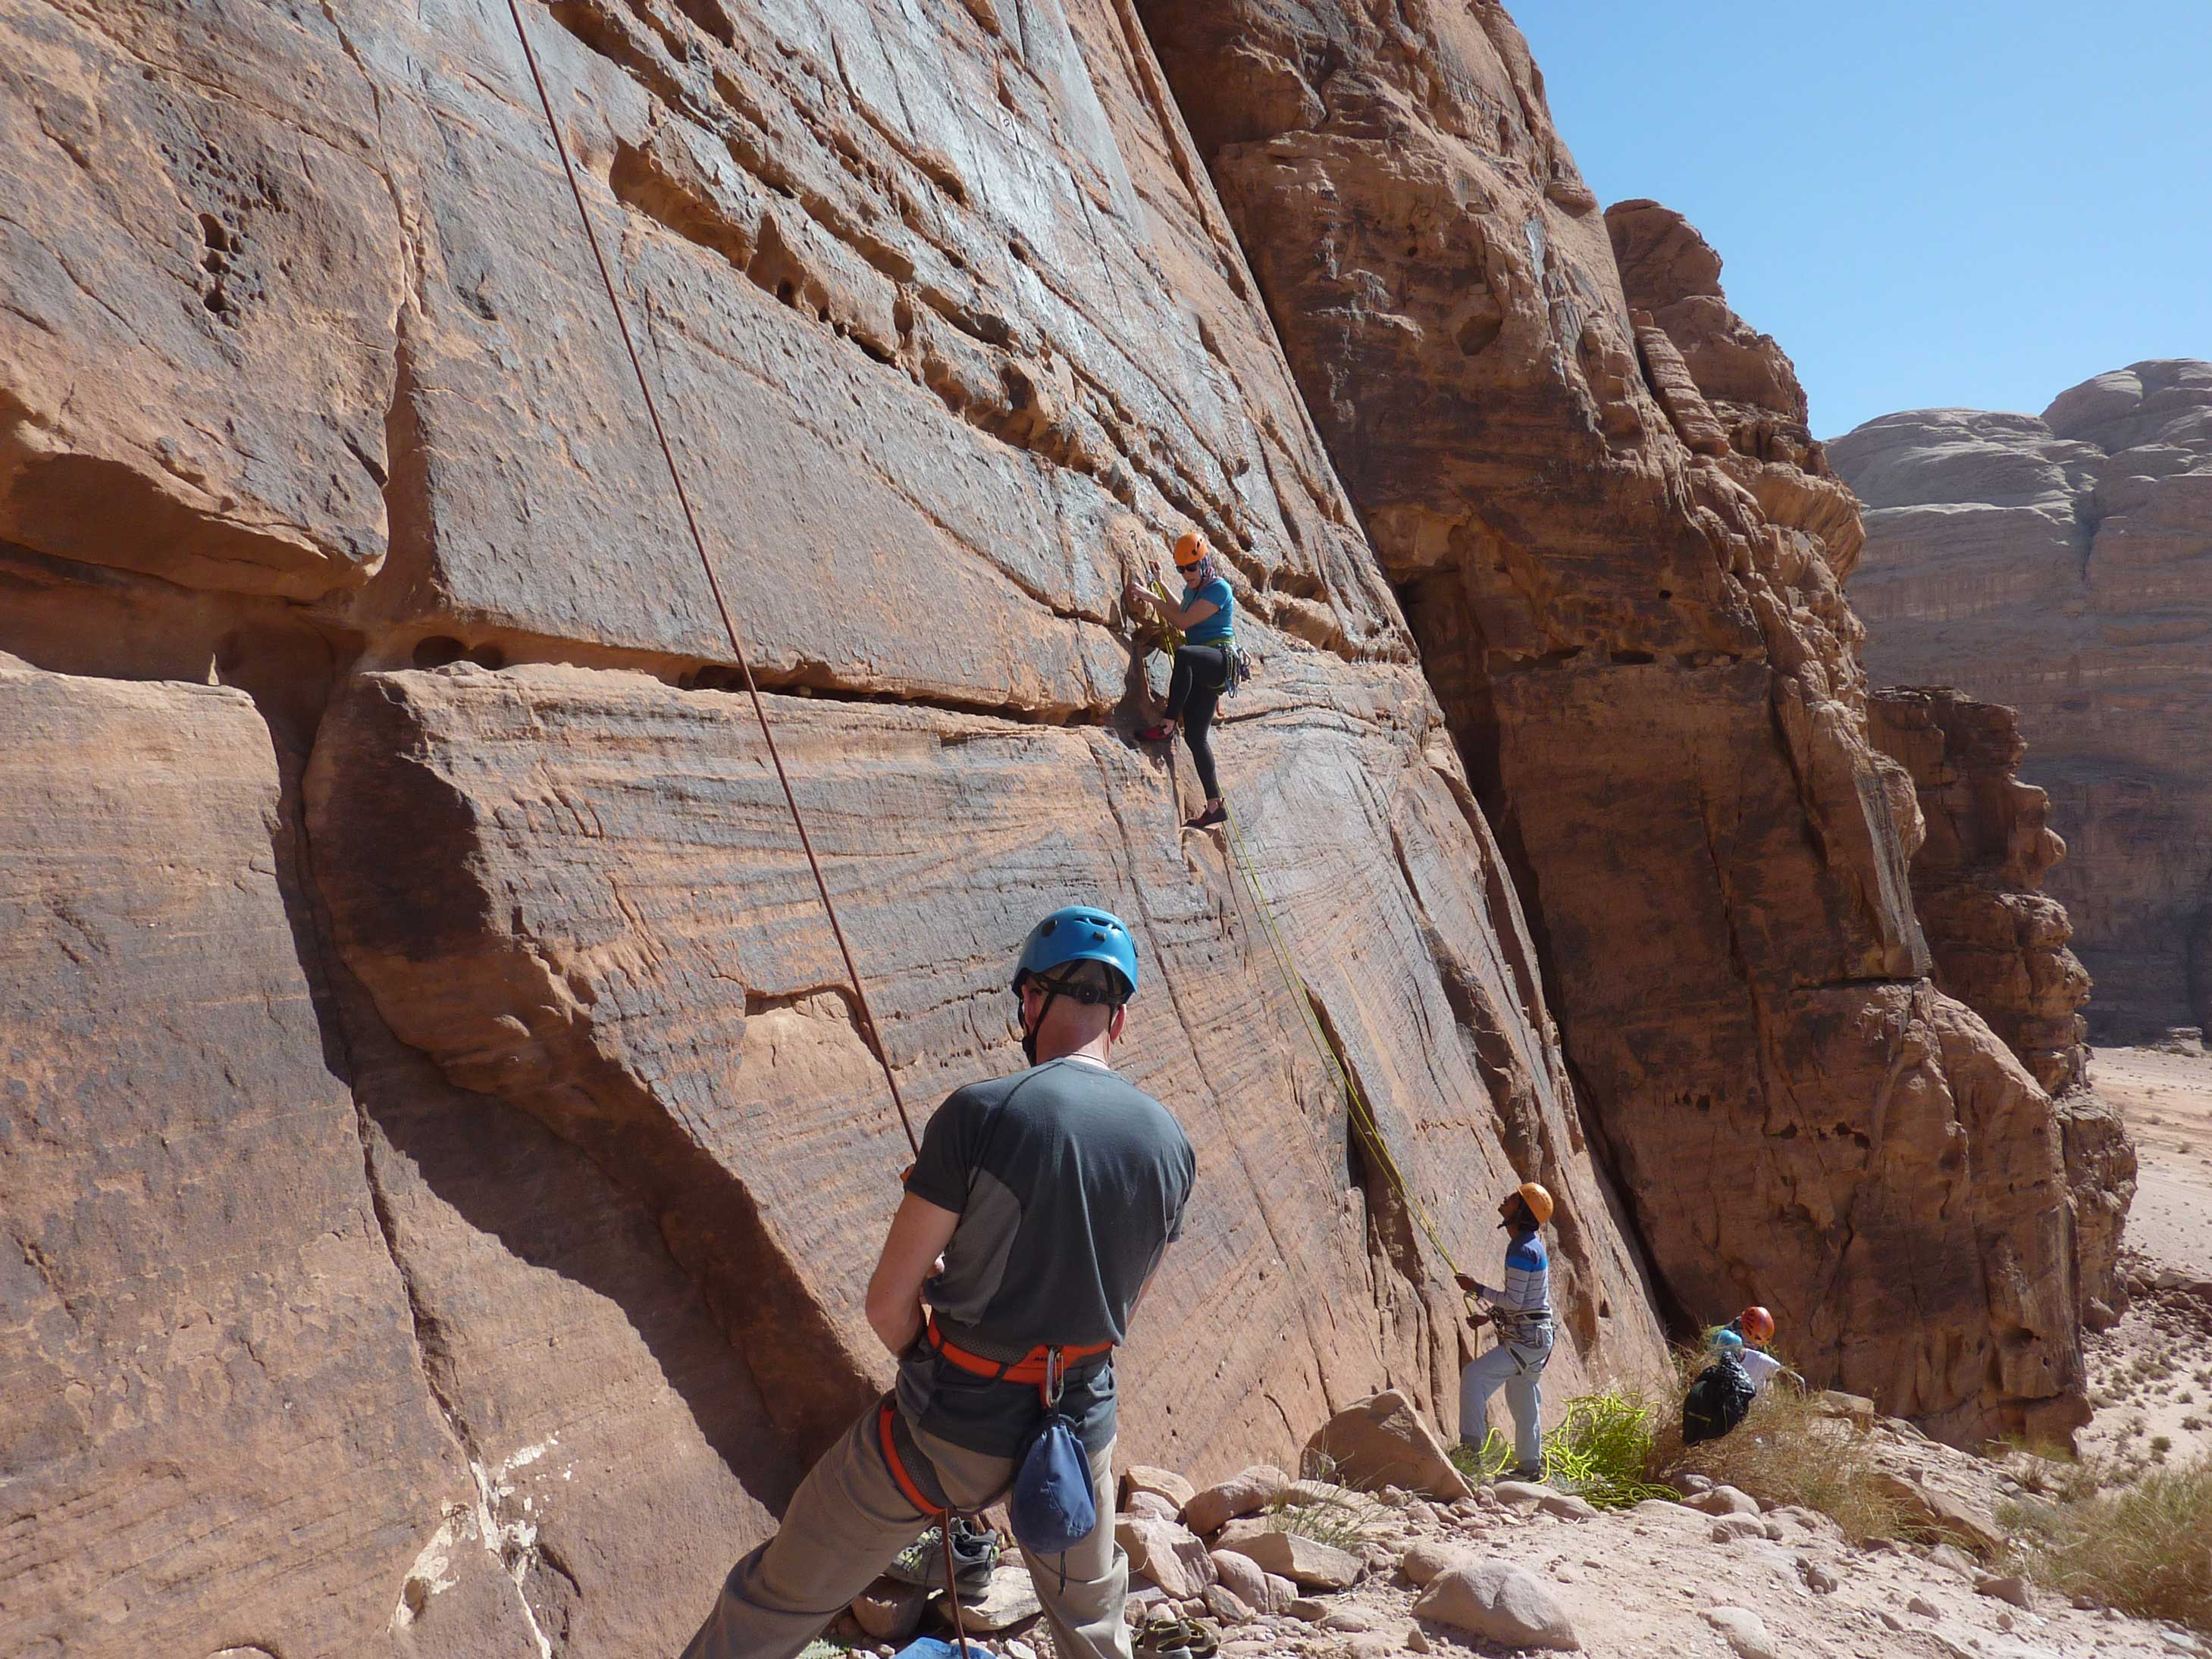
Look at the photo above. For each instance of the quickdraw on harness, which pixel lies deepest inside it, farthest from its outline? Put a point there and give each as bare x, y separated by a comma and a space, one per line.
1044, 1369
1052, 1506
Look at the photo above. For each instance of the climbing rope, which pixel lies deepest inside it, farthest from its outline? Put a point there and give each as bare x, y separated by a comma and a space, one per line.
1355, 1103
871, 1030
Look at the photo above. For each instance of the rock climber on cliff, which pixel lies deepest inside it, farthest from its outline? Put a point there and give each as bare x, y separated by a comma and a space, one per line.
1521, 1309
1203, 662
1034, 1215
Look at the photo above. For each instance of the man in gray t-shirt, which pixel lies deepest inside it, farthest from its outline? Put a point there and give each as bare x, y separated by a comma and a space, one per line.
1033, 1219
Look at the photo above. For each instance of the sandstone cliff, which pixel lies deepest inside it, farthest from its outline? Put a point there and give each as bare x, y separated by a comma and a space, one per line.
1999, 940
441, 1158
1620, 550
2057, 565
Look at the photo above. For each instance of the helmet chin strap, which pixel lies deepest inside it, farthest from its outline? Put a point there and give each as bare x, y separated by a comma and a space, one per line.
1051, 990
1055, 989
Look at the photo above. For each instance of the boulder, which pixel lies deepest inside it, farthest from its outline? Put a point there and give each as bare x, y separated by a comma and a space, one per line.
1567, 1506
1242, 1494
1150, 1506
1733, 1529
1171, 1556
1520, 1494
1853, 1409
2006, 1587
1930, 1507
1428, 1559
1306, 1563
891, 1611
1251, 1583
1227, 1606
1163, 1484
1383, 1439
1501, 1603
1745, 1632
1005, 1602
1723, 1500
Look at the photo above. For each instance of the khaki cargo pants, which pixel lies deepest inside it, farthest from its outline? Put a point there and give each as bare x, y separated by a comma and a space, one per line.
848, 1519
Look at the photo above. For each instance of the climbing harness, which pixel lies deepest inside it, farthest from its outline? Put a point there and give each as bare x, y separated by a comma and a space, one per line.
871, 1031
1042, 1368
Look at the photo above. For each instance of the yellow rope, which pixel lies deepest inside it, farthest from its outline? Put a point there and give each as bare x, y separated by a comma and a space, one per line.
1355, 1103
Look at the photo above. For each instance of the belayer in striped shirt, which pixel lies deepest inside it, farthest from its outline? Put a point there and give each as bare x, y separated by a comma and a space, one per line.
1521, 1309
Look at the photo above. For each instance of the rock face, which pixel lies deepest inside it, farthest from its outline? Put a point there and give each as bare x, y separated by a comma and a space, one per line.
214, 1425
399, 849
2057, 565
1592, 488
442, 1153
1998, 941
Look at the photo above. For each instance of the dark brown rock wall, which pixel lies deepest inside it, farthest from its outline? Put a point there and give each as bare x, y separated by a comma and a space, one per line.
2055, 564
1639, 636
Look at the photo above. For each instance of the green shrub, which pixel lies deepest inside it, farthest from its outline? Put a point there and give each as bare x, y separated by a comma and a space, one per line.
1600, 1451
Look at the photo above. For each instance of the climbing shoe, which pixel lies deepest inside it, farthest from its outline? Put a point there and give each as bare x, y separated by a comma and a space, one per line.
1163, 732
922, 1562
1164, 1638
1209, 818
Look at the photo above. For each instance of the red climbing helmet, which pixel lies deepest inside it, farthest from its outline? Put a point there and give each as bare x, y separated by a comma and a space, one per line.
1756, 1323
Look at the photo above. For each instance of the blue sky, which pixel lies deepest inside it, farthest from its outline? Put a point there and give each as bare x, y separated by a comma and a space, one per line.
1954, 201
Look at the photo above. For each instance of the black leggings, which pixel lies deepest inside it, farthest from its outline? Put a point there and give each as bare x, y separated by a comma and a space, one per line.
1201, 675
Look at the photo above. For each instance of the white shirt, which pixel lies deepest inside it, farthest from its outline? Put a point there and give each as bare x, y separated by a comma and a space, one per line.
1758, 1366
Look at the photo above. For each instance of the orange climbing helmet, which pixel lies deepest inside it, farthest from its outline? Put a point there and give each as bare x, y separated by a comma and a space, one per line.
1190, 547
1756, 1324
1538, 1199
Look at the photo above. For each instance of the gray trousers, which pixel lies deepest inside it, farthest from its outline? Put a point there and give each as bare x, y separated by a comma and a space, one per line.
849, 1518
1520, 1371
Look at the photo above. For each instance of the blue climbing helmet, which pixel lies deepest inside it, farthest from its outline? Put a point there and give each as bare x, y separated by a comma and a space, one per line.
1079, 933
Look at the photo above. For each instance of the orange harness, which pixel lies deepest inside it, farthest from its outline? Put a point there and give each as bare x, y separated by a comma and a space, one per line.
1042, 1368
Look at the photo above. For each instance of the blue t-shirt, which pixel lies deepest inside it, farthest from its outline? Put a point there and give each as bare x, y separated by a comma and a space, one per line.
1216, 628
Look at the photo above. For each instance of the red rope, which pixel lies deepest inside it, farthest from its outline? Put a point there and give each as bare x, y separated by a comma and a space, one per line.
713, 583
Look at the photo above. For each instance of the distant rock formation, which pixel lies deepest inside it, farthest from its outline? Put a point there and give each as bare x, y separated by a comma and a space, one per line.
2062, 566
2000, 942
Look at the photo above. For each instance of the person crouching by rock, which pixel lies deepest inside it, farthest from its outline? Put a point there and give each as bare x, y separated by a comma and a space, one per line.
1207, 615
1521, 1309
1753, 1329
1051, 1196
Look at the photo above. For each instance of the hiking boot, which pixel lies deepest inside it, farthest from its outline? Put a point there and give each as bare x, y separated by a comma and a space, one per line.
1209, 818
975, 1554
1524, 1471
1163, 1639
1163, 732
